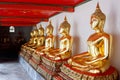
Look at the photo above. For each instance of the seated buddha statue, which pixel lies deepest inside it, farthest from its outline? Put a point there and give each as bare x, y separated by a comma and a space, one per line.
97, 58
29, 42
49, 40
64, 51
40, 37
33, 41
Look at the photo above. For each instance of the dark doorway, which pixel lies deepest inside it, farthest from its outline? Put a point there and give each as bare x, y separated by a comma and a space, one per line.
10, 42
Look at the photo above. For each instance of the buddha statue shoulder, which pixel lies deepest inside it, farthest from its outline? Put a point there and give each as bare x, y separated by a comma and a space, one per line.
49, 40
64, 51
97, 58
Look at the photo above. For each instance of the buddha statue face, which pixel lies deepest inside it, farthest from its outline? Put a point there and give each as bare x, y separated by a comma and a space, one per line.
94, 23
49, 29
97, 19
61, 30
64, 27
41, 31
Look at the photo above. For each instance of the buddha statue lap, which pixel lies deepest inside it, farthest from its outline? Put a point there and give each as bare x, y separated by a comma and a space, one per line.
97, 59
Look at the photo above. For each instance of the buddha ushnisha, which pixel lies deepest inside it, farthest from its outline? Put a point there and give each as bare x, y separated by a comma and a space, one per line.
97, 59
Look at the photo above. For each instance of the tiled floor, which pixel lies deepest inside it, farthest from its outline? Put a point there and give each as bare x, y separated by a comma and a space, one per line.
12, 70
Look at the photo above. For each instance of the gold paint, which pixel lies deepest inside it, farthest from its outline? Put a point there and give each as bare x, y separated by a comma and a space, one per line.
37, 39
65, 47
49, 40
40, 38
97, 59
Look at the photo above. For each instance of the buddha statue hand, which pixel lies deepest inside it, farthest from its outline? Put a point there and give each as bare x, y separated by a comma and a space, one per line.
58, 57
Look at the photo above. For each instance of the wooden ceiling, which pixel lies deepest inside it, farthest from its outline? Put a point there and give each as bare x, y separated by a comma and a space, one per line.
31, 12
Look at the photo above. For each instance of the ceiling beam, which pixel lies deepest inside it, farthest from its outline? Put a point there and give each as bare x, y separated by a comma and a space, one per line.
41, 7
17, 24
48, 2
8, 19
30, 12
25, 14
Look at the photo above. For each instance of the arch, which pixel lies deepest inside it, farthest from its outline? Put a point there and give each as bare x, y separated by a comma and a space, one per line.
11, 29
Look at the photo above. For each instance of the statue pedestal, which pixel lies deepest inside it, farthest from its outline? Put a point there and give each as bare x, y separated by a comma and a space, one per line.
53, 65
50, 68
69, 73
40, 73
30, 70
33, 63
22, 52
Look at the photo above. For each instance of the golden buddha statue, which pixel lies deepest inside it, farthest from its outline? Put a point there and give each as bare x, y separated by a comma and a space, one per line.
49, 40
39, 51
97, 59
28, 46
64, 52
33, 40
40, 37
35, 59
24, 46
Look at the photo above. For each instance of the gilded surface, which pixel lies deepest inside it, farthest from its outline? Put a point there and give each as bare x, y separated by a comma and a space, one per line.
96, 60
64, 50
49, 40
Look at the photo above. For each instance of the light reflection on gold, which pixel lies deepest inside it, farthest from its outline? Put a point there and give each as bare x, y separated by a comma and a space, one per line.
65, 47
49, 40
97, 59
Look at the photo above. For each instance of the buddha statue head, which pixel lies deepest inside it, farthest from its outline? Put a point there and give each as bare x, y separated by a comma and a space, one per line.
98, 19
41, 31
64, 27
49, 29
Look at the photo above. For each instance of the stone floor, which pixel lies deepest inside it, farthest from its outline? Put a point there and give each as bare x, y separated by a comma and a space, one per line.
12, 70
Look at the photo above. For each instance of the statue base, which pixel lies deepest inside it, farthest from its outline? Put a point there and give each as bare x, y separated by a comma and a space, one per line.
28, 55
33, 63
40, 73
53, 65
22, 53
30, 70
69, 73
36, 57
